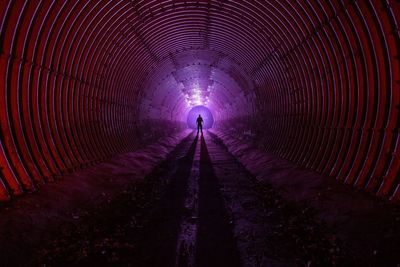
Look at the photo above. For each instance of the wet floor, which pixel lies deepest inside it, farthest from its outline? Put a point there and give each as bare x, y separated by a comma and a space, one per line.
200, 207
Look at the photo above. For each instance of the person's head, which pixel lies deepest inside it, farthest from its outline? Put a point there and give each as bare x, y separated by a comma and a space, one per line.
199, 115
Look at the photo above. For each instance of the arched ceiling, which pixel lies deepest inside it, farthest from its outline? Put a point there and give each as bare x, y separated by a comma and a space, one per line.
196, 77
315, 82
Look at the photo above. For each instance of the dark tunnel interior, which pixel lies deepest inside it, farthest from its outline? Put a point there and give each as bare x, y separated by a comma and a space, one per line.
316, 83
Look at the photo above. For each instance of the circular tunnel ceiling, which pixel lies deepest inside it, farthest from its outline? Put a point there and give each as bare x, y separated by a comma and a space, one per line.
315, 82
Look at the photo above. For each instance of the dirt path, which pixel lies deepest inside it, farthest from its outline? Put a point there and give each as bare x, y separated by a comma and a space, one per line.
270, 231
200, 207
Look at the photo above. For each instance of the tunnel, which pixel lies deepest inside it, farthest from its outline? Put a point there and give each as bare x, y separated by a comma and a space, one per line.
315, 84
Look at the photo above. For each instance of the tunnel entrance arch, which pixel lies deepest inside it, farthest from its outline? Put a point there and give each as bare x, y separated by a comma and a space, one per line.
206, 113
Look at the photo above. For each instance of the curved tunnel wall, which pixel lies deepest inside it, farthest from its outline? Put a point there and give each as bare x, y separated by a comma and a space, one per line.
316, 82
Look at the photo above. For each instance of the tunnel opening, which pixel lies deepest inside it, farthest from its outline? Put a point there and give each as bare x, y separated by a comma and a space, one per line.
205, 113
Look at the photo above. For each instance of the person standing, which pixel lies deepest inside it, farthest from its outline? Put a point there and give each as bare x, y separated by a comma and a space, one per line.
199, 124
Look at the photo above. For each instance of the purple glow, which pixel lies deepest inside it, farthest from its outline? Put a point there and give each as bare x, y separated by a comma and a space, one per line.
208, 118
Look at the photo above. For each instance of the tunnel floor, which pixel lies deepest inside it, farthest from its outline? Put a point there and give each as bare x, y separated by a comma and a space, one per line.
199, 207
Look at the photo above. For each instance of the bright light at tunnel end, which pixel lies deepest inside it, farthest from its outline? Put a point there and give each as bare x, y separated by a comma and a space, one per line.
204, 112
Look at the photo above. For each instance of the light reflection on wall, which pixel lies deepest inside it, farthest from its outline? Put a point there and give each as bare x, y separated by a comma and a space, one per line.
197, 96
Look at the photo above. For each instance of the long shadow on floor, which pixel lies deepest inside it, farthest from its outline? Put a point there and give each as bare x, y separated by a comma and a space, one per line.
165, 223
215, 243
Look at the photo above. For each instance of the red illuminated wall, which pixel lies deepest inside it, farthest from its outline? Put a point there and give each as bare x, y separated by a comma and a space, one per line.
316, 82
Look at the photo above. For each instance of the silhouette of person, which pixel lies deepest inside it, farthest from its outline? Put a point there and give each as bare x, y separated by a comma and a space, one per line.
199, 124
